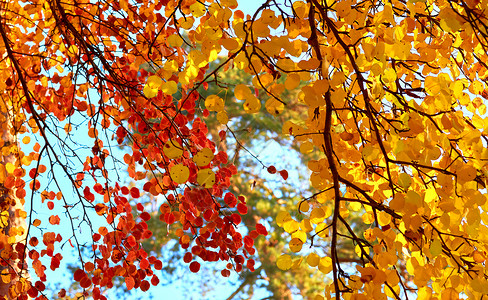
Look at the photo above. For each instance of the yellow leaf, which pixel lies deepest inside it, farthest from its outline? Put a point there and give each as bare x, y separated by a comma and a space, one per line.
197, 9
317, 215
172, 149
430, 195
169, 87
322, 230
68, 128
368, 218
296, 263
149, 92
206, 178
10, 168
301, 235
284, 262
229, 44
4, 219
252, 105
274, 106
291, 226
292, 81
313, 259
355, 206
154, 82
203, 157
282, 217
263, 80
305, 225
222, 117
241, 92
466, 173
479, 285
325, 265
214, 103
449, 294
384, 218
303, 206
449, 20
179, 173
5, 275
174, 41
295, 245
435, 248
186, 22
3, 173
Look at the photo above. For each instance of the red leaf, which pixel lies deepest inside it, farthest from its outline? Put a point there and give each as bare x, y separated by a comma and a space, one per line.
96, 237
271, 169
33, 292
261, 229
144, 264
207, 215
222, 135
40, 286
253, 234
145, 216
195, 267
147, 186
79, 274
158, 265
145, 285
98, 188
54, 220
88, 194
124, 190
155, 280
242, 208
248, 241
134, 192
62, 293
188, 257
236, 219
85, 282
284, 174
169, 218
230, 200
54, 263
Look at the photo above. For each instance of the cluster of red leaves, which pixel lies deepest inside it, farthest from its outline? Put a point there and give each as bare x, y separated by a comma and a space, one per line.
208, 216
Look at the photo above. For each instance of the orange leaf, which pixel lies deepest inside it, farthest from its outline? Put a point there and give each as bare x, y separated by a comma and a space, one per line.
129, 282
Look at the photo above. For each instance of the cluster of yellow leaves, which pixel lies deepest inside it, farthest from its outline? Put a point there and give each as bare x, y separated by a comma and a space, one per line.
395, 94
155, 84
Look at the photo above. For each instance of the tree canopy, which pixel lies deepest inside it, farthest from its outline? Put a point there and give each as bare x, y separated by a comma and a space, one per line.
385, 100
